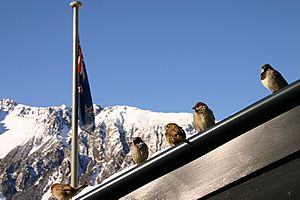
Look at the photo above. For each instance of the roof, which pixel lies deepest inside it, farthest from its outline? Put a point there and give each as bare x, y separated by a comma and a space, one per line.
268, 131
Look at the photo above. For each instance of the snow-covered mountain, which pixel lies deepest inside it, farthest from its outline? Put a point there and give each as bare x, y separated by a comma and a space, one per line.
35, 145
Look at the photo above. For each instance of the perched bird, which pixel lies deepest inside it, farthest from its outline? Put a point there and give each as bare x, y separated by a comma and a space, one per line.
271, 78
65, 191
175, 134
139, 151
203, 117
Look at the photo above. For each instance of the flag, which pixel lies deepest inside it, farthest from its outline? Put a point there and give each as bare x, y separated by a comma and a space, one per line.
85, 103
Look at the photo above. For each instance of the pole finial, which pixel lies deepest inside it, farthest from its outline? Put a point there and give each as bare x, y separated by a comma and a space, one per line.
76, 4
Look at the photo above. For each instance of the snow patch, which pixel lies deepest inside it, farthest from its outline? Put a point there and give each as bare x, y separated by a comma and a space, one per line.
19, 131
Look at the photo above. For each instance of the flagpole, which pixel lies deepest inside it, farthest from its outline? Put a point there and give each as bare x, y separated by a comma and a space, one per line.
74, 152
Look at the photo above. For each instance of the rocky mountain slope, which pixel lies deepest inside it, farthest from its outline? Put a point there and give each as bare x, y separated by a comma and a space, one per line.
35, 145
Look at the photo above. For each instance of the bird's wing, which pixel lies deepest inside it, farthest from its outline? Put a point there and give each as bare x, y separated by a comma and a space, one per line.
179, 135
212, 115
279, 77
67, 189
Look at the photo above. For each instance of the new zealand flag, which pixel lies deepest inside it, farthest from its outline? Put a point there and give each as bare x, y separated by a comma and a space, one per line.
85, 103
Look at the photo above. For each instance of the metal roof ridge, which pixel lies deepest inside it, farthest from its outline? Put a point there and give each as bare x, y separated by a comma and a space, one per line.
181, 154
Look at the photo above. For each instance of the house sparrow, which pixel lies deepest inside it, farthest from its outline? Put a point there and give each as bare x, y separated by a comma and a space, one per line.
139, 151
65, 191
175, 134
271, 78
203, 117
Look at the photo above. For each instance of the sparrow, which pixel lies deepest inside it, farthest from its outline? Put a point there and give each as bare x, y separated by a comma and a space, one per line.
271, 78
175, 134
203, 117
139, 151
65, 191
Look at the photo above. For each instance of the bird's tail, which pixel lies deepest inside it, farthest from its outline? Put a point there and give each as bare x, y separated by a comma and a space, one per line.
82, 186
188, 142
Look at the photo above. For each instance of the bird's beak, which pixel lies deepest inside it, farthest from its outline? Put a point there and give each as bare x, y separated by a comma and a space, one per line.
194, 107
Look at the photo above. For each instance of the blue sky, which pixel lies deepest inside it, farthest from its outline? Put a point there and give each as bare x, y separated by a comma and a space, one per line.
161, 55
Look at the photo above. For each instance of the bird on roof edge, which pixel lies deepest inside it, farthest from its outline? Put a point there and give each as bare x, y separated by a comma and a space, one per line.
175, 134
139, 151
203, 117
271, 78
65, 191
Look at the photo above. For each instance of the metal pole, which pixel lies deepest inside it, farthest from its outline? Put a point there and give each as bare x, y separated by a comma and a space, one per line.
74, 152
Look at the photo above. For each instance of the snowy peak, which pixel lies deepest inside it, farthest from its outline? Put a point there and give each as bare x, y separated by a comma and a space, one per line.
35, 144
7, 105
20, 124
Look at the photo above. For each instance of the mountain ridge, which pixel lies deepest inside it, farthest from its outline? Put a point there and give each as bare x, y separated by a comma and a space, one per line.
35, 144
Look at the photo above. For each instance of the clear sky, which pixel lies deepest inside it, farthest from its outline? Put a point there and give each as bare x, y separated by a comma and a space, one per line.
161, 55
